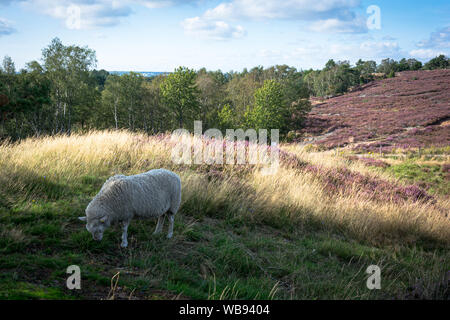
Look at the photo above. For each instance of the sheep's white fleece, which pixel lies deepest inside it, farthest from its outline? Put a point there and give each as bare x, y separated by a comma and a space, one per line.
145, 195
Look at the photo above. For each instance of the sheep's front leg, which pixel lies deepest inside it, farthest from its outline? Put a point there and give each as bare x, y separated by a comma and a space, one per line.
125, 225
160, 224
171, 220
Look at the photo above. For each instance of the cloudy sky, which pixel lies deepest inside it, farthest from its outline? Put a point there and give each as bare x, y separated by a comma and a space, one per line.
159, 35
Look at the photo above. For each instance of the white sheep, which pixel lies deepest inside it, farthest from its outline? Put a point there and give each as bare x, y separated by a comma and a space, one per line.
155, 193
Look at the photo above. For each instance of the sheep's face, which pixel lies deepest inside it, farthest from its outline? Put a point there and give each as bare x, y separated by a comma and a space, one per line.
96, 226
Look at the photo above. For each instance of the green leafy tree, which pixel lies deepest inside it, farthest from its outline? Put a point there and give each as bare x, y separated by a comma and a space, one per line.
226, 118
414, 64
269, 111
68, 70
8, 80
330, 64
155, 114
334, 79
387, 66
211, 96
240, 93
131, 96
111, 100
365, 69
99, 77
290, 79
440, 62
27, 94
36, 98
180, 94
298, 110
123, 98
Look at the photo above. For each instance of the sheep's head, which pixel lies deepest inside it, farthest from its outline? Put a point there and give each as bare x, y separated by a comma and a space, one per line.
96, 225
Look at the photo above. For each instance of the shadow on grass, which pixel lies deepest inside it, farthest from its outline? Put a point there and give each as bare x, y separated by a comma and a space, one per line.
20, 184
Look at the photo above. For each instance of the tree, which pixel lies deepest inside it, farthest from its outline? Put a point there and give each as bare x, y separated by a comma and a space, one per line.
35, 98
290, 79
8, 80
99, 77
211, 96
330, 64
156, 116
298, 111
440, 62
180, 94
335, 78
408, 65
240, 92
226, 118
365, 69
68, 69
387, 66
8, 66
402, 65
123, 99
414, 64
269, 111
26, 95
131, 96
111, 97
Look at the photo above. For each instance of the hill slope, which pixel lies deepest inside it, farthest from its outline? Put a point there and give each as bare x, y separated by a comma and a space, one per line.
409, 111
309, 231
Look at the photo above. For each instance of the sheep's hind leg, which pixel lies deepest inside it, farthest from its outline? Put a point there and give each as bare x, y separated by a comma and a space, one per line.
125, 225
171, 220
160, 224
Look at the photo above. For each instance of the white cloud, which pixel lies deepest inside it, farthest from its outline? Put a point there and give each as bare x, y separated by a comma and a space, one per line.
390, 38
326, 15
316, 55
358, 25
425, 53
88, 14
83, 14
163, 3
381, 49
269, 53
438, 43
211, 29
6, 27
380, 45
438, 39
287, 9
156, 4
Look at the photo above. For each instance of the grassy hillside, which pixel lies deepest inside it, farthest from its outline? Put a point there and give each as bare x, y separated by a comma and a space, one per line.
307, 232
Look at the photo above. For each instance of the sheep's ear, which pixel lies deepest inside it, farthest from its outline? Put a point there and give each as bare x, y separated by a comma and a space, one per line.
82, 218
103, 220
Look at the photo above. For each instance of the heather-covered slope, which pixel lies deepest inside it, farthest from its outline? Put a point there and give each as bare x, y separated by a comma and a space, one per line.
409, 111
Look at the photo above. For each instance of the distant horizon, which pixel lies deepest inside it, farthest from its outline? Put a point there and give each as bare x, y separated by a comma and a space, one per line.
155, 73
120, 72
248, 68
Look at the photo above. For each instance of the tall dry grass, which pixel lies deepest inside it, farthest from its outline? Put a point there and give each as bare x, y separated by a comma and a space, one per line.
53, 166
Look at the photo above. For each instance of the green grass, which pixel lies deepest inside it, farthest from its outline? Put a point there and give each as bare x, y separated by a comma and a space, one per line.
208, 258
22, 290
431, 177
226, 244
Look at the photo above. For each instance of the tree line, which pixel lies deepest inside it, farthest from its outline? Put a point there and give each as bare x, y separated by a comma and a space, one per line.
64, 92
338, 77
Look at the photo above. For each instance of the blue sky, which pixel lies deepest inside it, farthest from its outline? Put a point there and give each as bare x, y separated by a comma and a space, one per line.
159, 35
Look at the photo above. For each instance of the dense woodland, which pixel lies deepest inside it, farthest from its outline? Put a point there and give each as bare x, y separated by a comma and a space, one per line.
63, 92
